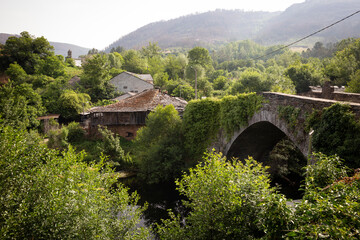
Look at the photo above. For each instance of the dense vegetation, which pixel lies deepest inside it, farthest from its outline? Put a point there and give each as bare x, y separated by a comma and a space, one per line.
234, 200
65, 193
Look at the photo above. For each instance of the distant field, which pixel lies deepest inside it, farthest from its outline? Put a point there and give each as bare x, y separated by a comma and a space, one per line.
298, 49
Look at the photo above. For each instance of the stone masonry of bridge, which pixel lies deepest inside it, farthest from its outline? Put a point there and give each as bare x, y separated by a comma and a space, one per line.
265, 129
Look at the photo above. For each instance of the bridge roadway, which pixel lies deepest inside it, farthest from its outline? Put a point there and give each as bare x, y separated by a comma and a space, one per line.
265, 129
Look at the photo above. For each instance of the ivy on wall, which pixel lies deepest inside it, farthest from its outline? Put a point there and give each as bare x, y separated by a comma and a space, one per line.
235, 111
203, 119
201, 124
290, 114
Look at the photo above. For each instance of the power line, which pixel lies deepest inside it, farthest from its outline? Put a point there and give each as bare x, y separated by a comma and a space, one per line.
310, 35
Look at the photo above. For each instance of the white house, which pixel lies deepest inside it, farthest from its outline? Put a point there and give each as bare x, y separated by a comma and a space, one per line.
132, 82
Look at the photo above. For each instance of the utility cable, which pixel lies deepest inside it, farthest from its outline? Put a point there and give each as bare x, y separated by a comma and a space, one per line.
310, 35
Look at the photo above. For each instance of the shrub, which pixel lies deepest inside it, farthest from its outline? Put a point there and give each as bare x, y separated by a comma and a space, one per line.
45, 195
228, 200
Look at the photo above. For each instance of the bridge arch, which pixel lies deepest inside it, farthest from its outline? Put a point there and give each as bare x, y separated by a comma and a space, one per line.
264, 130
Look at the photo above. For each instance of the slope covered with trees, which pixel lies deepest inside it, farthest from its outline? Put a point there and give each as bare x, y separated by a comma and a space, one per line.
221, 26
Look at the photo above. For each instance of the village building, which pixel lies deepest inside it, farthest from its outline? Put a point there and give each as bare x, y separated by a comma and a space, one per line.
126, 116
77, 61
132, 82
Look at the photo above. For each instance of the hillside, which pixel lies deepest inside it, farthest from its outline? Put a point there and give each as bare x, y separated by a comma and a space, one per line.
222, 26
198, 29
60, 48
302, 19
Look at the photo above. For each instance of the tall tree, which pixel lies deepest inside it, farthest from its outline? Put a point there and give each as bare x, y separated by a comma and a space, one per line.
26, 51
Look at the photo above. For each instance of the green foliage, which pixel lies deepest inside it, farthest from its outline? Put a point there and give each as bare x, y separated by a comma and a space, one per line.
290, 114
26, 51
330, 208
20, 105
336, 131
75, 132
303, 76
17, 74
185, 91
220, 83
45, 195
354, 84
96, 76
345, 63
286, 159
72, 103
235, 111
250, 81
158, 147
228, 200
175, 66
325, 171
110, 146
201, 123
133, 62
199, 56
51, 66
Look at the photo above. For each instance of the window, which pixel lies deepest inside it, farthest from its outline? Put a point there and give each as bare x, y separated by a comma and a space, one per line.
125, 87
129, 134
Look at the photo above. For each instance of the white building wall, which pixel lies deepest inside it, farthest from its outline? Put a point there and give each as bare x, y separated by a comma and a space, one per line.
125, 82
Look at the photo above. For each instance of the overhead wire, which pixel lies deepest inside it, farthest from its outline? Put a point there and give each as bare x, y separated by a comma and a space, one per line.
310, 35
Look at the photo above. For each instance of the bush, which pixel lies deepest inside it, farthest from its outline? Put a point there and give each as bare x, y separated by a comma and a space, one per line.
75, 132
330, 207
45, 195
228, 200
110, 146
159, 150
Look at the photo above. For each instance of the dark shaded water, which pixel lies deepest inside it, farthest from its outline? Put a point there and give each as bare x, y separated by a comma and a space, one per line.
160, 198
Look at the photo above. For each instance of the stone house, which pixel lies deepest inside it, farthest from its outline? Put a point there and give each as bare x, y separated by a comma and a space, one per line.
126, 116
132, 82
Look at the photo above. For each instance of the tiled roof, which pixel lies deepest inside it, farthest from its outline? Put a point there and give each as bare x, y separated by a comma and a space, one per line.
142, 102
146, 77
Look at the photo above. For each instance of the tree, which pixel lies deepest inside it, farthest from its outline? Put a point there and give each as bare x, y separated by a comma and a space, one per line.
71, 103
250, 81
200, 56
303, 76
159, 151
25, 51
330, 206
51, 66
48, 195
345, 63
96, 76
20, 105
17, 74
228, 199
133, 62
336, 131
152, 50
175, 66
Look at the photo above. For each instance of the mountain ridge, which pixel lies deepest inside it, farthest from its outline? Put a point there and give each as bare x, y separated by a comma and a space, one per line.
297, 21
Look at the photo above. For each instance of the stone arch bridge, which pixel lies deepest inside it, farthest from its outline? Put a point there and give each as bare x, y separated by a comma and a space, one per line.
266, 128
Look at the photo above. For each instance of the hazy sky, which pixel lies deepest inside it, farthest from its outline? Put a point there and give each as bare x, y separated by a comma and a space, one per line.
98, 23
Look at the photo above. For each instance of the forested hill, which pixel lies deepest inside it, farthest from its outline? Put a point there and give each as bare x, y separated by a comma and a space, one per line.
60, 48
198, 29
305, 18
264, 27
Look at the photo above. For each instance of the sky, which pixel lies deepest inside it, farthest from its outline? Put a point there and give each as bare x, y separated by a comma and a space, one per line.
98, 23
